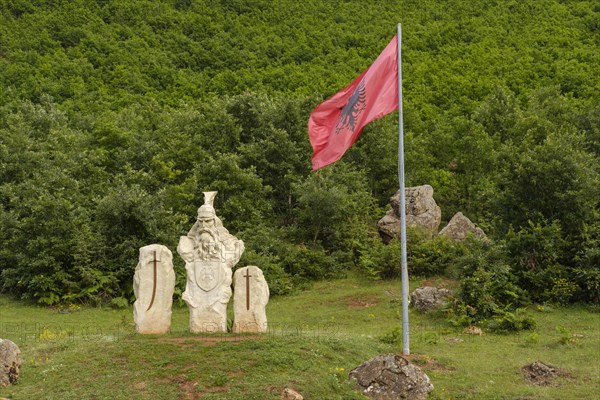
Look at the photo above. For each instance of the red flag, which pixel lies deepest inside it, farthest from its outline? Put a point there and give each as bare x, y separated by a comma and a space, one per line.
337, 122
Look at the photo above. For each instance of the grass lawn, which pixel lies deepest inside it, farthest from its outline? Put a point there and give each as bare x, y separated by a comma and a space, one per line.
316, 337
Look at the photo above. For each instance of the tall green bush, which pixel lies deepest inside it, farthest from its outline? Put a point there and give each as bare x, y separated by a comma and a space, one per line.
489, 293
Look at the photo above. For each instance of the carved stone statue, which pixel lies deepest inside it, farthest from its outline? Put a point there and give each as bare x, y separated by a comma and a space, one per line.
153, 285
251, 295
210, 252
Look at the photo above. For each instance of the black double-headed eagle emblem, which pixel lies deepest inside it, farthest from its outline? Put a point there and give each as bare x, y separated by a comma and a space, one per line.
355, 105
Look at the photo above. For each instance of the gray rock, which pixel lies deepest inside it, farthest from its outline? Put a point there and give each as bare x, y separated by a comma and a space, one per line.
541, 374
391, 376
10, 362
459, 228
429, 298
421, 211
389, 226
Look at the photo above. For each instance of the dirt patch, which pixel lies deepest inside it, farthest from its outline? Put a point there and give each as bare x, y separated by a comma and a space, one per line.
207, 340
192, 389
187, 388
540, 374
233, 374
360, 302
120, 359
427, 363
214, 389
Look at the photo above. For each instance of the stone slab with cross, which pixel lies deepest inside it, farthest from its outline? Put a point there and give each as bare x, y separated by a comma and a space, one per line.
153, 285
250, 298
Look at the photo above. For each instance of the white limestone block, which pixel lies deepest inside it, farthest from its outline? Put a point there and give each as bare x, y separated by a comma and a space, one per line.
153, 285
251, 295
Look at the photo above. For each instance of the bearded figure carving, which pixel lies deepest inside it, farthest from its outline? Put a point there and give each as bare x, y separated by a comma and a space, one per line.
210, 252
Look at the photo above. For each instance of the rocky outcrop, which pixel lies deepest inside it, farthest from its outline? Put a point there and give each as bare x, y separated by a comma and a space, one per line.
460, 227
541, 374
392, 376
429, 298
421, 211
389, 226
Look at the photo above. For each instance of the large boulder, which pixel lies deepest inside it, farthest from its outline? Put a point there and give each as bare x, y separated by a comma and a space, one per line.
10, 362
392, 376
421, 211
429, 298
389, 226
460, 227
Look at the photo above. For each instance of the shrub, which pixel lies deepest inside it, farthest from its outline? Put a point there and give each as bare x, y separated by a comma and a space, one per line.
587, 272
425, 257
119, 303
562, 291
310, 263
394, 337
379, 260
433, 257
535, 253
488, 291
511, 321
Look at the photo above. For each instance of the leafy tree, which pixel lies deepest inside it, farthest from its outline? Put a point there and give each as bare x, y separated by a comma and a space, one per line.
330, 201
537, 252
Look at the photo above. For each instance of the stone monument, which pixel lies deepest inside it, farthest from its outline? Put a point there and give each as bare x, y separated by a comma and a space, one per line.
153, 285
210, 252
10, 363
251, 295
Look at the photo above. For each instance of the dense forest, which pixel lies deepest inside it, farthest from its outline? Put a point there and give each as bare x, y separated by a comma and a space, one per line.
115, 116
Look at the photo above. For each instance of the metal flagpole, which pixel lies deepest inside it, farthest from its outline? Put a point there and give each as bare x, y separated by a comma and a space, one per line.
405, 336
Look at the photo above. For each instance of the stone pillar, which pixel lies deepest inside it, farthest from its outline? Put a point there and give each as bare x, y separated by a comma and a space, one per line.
10, 363
251, 295
153, 285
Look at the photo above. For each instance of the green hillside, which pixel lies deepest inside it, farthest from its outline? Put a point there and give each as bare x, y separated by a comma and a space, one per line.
116, 115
